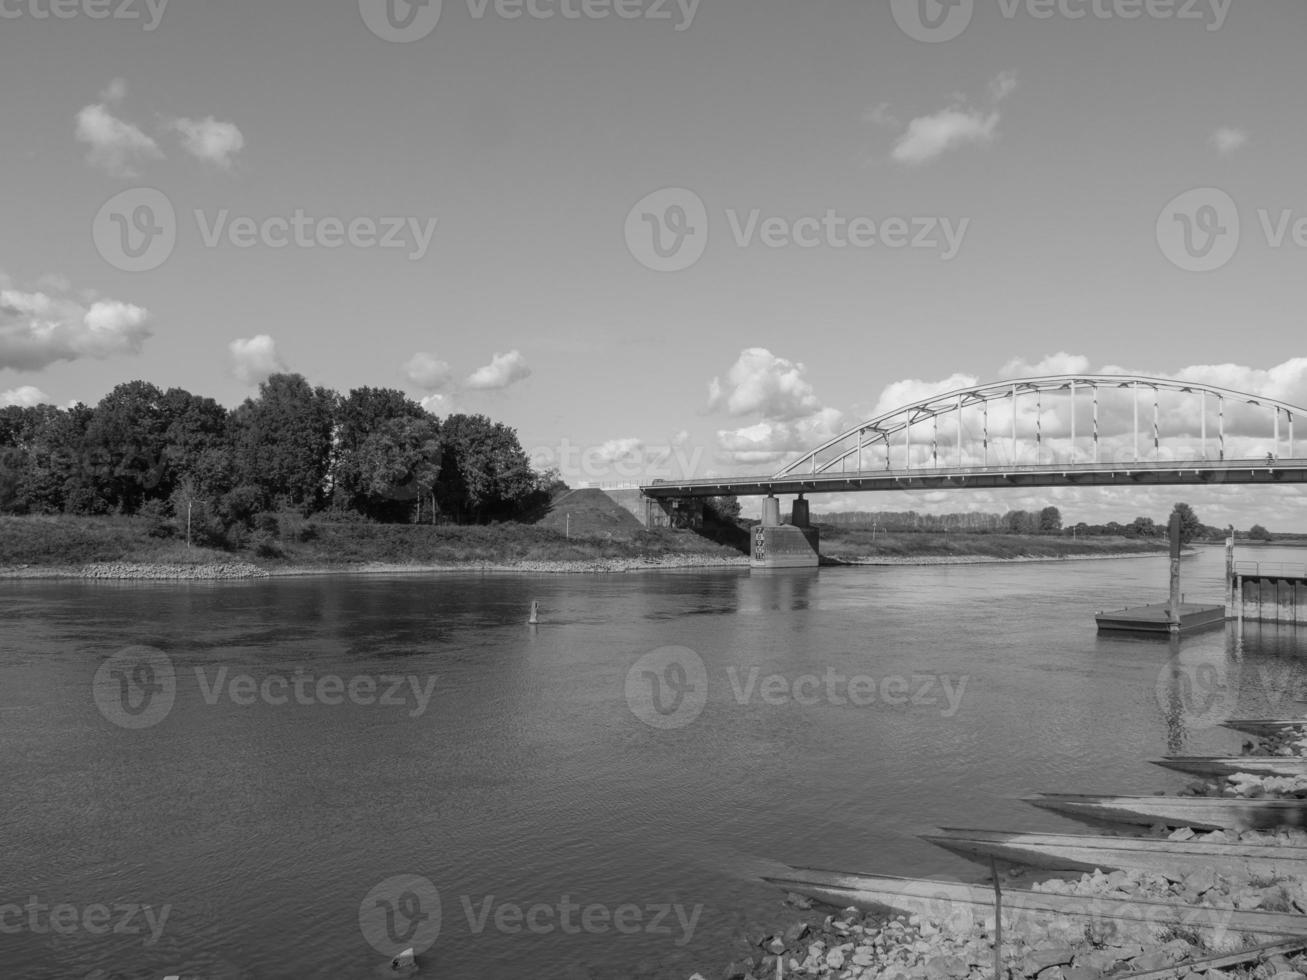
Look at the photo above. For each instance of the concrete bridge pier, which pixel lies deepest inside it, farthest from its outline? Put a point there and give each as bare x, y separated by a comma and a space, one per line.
777, 545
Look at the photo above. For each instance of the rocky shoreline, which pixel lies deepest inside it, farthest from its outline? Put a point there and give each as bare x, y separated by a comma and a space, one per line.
951, 941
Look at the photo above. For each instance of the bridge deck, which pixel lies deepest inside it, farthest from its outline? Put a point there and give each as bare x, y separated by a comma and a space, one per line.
1170, 472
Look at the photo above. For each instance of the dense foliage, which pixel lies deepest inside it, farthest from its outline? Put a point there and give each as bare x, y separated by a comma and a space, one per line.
191, 466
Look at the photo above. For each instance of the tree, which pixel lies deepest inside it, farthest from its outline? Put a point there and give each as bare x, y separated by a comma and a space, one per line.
387, 454
1050, 520
725, 508
125, 445
282, 442
1259, 533
485, 474
1190, 526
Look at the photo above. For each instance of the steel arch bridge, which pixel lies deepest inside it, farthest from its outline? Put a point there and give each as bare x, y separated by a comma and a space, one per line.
1064, 430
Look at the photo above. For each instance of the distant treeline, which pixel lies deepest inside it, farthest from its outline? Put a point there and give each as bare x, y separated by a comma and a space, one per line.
1045, 521
185, 460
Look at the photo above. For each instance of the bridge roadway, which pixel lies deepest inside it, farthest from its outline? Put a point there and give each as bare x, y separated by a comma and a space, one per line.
1197, 472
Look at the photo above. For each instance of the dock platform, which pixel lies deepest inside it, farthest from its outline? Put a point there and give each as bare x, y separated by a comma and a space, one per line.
1155, 618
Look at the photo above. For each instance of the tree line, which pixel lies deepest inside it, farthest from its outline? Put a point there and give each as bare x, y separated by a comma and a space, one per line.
372, 454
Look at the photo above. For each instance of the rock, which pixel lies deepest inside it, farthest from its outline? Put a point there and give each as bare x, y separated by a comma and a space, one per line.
1184, 833
737, 970
1079, 973
1156, 960
795, 934
797, 901
1046, 955
1199, 882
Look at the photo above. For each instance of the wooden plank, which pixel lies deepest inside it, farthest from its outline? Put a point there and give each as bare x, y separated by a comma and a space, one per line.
1265, 727
1222, 960
1199, 812
1086, 852
947, 901
1257, 765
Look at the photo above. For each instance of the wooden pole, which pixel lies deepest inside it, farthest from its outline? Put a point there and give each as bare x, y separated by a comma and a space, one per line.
998, 921
1173, 618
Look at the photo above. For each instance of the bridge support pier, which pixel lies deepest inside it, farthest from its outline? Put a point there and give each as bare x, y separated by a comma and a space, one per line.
777, 545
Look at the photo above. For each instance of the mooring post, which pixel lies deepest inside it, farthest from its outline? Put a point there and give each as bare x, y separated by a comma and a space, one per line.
1229, 573
1173, 613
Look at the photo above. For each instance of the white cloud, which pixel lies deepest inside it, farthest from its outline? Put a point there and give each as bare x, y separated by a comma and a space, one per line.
928, 137
1003, 85
24, 397
773, 441
428, 372
1227, 140
1053, 364
762, 383
792, 418
502, 371
899, 394
39, 328
116, 147
437, 404
619, 450
255, 359
210, 140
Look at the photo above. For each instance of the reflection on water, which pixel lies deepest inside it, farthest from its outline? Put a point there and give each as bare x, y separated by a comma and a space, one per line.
825, 738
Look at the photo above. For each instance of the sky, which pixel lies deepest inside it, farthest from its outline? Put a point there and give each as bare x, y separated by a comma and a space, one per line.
660, 238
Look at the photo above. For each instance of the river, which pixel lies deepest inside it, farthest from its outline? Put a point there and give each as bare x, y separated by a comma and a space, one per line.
245, 779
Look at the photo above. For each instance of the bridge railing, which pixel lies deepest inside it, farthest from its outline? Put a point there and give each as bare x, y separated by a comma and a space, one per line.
1106, 466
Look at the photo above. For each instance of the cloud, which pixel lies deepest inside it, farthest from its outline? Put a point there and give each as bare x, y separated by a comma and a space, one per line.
762, 383
619, 450
773, 441
502, 371
116, 147
929, 137
1059, 363
910, 390
209, 140
24, 397
1228, 140
38, 329
437, 404
791, 416
428, 372
255, 359
1002, 85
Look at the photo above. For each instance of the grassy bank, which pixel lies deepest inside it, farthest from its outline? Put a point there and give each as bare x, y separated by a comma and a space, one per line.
850, 544
72, 541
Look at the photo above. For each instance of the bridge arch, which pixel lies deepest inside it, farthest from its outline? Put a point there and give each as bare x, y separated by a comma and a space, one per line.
1212, 408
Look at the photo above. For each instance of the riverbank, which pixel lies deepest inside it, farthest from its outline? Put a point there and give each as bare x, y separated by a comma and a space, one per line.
131, 548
